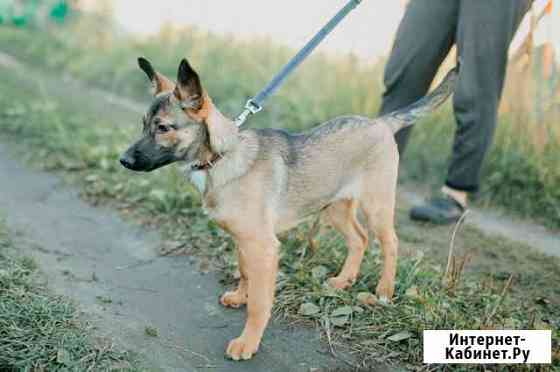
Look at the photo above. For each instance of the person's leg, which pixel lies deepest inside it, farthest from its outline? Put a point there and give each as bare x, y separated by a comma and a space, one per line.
424, 38
484, 32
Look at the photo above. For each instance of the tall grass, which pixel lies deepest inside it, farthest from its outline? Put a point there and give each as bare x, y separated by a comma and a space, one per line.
231, 70
518, 175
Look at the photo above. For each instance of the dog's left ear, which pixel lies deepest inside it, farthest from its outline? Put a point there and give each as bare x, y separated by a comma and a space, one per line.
189, 90
160, 83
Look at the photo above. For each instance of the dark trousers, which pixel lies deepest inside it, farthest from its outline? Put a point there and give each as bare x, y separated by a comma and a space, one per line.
482, 31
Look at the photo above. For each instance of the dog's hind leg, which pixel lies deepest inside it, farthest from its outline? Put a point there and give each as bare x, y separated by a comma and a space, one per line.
312, 234
342, 216
378, 205
384, 230
238, 297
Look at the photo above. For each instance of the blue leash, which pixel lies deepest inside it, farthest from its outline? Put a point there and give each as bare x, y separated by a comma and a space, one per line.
254, 105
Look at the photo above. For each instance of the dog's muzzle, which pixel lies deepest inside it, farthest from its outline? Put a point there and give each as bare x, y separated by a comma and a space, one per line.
127, 161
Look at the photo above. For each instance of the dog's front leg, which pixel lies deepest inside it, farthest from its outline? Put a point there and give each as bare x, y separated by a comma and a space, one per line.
260, 258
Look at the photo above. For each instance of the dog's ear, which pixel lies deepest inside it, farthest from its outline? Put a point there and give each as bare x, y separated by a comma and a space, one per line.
159, 82
222, 132
189, 90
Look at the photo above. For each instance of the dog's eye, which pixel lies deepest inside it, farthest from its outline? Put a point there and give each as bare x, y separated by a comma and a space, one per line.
162, 128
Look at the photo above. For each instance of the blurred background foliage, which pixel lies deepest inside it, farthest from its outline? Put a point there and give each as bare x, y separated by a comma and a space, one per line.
31, 13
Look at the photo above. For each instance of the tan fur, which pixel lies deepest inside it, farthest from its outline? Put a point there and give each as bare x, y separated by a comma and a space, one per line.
254, 196
200, 115
162, 84
267, 181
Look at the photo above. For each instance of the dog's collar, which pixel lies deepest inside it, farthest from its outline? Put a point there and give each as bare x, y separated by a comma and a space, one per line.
208, 164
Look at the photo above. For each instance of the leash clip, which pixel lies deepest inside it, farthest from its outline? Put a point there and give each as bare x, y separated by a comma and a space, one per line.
251, 108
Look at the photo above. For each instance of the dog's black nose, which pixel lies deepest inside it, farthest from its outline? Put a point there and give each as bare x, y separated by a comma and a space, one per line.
127, 161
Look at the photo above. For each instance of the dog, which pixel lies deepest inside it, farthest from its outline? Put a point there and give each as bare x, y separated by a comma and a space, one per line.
257, 183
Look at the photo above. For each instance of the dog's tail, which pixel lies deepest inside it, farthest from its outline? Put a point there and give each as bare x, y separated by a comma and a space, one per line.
407, 116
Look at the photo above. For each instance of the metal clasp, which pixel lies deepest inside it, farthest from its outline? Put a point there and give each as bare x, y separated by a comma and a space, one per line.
251, 107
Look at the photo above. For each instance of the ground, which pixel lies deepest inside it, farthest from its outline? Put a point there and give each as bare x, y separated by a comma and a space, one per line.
147, 267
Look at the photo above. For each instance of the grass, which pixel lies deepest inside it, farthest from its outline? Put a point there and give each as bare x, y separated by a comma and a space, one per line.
59, 132
383, 333
40, 331
521, 173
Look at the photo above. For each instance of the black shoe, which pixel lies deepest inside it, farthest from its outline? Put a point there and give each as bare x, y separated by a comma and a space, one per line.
441, 210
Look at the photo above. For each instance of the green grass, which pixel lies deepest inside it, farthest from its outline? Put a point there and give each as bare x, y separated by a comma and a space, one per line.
40, 331
422, 300
84, 142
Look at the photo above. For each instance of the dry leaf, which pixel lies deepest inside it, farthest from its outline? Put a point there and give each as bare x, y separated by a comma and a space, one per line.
400, 336
412, 292
367, 298
309, 308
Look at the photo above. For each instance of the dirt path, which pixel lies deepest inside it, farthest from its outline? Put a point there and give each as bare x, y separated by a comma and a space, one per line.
111, 269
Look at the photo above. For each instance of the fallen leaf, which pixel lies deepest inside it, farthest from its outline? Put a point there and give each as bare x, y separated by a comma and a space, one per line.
204, 266
339, 321
412, 292
158, 194
400, 336
343, 310
319, 272
309, 308
328, 291
92, 178
366, 298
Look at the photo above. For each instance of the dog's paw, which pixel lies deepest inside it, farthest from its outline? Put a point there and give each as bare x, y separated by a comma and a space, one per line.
242, 348
233, 299
340, 282
385, 290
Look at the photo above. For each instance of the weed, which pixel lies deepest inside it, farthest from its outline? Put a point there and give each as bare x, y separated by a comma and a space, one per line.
104, 299
151, 331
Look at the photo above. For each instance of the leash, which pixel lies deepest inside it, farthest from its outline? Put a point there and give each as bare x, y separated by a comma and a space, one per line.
254, 104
